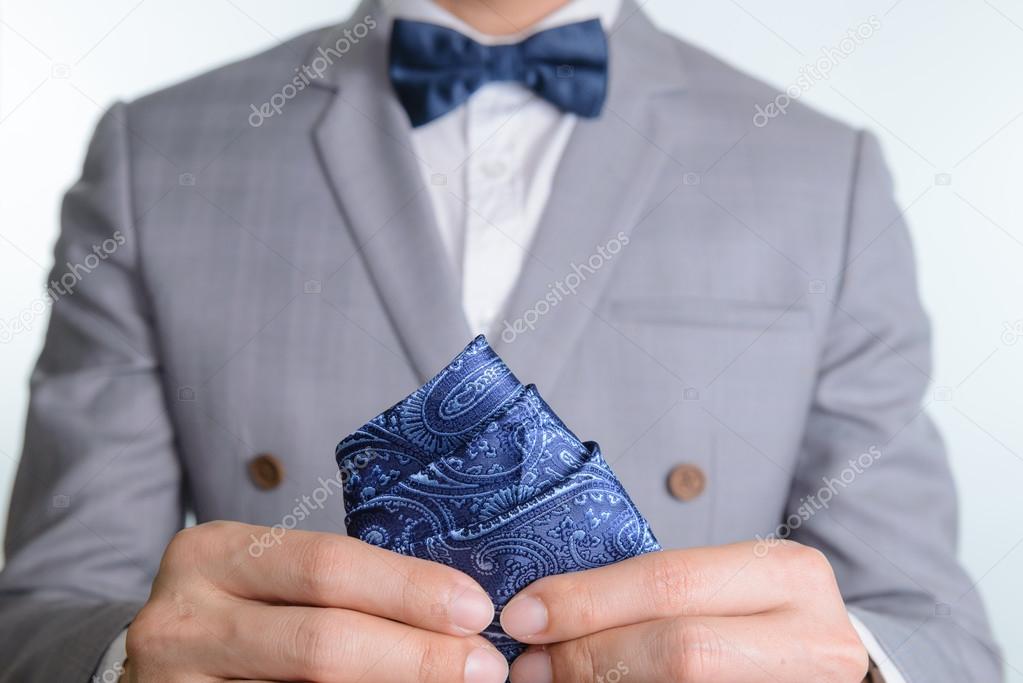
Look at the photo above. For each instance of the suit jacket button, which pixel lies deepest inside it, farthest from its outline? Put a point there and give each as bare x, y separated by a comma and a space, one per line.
686, 481
266, 471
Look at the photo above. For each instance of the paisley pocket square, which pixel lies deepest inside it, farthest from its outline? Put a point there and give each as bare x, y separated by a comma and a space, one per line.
474, 470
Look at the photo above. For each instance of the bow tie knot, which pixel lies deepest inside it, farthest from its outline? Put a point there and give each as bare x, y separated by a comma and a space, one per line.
435, 69
504, 63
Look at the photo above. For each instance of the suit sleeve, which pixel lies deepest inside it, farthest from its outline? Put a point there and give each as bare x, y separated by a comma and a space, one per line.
873, 489
98, 490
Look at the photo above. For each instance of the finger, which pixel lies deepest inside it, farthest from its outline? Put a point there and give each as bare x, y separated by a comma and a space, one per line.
283, 643
691, 649
718, 581
329, 570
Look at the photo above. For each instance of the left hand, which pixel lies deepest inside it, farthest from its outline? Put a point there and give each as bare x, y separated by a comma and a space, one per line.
718, 614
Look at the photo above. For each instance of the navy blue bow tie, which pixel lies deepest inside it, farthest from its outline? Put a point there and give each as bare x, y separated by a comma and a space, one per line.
474, 470
435, 69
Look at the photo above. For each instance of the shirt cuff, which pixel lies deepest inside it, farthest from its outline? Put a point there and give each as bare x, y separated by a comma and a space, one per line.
112, 665
885, 666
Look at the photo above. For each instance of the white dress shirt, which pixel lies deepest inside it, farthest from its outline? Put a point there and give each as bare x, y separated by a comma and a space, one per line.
489, 166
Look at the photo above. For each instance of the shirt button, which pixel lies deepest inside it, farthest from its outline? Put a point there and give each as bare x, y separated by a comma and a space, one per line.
266, 471
686, 482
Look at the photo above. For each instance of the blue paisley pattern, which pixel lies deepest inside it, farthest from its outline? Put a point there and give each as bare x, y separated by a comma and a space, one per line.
474, 470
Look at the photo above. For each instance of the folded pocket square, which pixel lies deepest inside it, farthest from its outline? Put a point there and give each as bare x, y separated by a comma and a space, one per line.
475, 471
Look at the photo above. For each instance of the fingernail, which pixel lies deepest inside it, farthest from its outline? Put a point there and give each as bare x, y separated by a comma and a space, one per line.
471, 610
524, 617
533, 667
485, 666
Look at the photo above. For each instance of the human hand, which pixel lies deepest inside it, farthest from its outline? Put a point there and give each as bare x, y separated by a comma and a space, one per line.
316, 607
700, 615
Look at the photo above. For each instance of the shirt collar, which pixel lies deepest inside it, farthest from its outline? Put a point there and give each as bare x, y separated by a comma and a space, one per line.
571, 12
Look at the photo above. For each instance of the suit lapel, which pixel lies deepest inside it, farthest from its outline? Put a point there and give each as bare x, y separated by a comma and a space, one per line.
610, 176
364, 145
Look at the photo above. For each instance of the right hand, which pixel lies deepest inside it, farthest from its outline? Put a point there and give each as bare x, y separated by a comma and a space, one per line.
315, 607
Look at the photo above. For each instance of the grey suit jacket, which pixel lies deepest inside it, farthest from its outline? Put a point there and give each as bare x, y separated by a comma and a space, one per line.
281, 283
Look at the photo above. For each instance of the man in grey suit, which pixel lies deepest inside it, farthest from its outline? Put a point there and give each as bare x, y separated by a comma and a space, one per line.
751, 355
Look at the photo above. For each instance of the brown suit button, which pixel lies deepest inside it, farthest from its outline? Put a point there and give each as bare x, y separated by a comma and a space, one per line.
686, 481
266, 471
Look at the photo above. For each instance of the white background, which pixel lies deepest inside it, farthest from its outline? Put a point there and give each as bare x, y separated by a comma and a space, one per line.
941, 83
